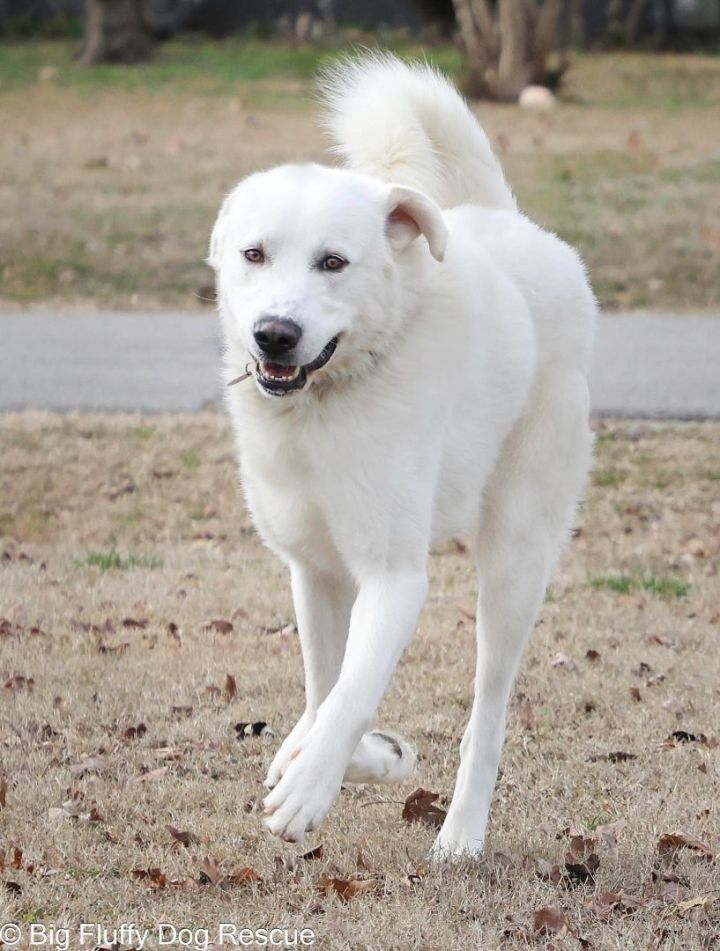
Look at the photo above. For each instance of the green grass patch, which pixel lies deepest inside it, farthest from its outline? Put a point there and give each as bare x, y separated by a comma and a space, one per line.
190, 459
113, 561
194, 64
608, 478
661, 586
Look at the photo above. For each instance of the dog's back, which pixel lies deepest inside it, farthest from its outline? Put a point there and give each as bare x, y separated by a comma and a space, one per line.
409, 125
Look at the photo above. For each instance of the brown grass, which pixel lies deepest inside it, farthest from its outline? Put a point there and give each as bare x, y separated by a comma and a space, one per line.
110, 187
104, 519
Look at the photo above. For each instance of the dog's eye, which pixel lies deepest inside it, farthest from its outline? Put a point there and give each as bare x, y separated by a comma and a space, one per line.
254, 255
333, 262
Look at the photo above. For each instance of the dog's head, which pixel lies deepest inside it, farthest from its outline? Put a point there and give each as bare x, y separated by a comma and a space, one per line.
307, 259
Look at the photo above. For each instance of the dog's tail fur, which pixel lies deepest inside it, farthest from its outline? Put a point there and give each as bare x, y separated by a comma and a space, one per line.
409, 125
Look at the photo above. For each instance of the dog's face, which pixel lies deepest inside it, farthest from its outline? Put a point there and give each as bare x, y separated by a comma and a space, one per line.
305, 259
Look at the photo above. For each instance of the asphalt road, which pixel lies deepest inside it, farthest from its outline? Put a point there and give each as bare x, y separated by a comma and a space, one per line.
649, 365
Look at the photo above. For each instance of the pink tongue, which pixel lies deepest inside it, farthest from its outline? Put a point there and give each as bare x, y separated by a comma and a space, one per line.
279, 369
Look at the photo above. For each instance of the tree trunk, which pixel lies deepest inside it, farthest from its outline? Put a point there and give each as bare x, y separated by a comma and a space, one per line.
506, 47
115, 32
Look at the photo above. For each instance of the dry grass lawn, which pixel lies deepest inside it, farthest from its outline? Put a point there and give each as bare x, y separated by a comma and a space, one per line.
111, 179
123, 543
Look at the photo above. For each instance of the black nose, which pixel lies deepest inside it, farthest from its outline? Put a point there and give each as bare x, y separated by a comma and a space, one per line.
276, 336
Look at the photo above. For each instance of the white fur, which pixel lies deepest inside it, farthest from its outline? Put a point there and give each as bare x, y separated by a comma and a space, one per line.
456, 404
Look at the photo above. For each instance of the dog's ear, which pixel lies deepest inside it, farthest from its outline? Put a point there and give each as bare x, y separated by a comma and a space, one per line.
409, 214
217, 238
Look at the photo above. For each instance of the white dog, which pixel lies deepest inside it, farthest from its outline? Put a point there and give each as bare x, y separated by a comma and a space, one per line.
419, 355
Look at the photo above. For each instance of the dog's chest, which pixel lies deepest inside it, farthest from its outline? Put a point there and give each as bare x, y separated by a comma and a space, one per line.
285, 475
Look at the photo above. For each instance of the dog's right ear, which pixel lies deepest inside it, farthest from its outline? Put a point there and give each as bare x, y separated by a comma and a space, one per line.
217, 238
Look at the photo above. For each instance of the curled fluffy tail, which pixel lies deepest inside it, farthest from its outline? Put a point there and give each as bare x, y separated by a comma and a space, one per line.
408, 124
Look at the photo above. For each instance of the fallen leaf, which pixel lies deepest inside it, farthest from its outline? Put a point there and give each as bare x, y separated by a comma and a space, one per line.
3, 793
346, 888
230, 687
581, 862
607, 903
669, 844
592, 655
153, 876
135, 622
134, 732
222, 627
549, 871
635, 694
705, 902
19, 682
184, 838
419, 807
182, 711
316, 853
549, 921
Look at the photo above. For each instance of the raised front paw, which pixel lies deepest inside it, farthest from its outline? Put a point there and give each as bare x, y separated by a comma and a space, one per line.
303, 796
290, 745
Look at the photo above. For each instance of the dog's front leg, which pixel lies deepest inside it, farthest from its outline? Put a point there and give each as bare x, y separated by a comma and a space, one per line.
322, 609
383, 620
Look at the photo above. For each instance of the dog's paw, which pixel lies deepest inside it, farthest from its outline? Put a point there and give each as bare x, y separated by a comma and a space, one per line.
381, 758
456, 841
284, 755
303, 796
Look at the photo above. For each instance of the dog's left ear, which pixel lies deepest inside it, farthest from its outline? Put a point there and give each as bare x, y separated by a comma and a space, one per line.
409, 214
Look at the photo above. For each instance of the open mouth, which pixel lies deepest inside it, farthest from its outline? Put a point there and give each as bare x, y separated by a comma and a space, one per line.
279, 379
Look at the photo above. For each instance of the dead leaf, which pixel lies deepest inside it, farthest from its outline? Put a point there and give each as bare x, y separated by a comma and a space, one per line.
313, 854
132, 622
134, 732
669, 844
222, 627
153, 876
19, 682
549, 871
184, 838
346, 888
180, 711
243, 876
635, 694
705, 902
607, 903
592, 655
550, 921
3, 793
230, 687
419, 807
581, 862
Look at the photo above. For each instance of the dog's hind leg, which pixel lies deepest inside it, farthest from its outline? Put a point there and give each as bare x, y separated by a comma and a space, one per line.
527, 512
323, 604
381, 758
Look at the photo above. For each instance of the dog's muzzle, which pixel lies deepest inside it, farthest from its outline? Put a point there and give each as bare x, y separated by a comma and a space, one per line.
281, 379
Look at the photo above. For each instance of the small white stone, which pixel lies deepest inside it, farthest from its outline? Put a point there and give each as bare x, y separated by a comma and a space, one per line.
537, 97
